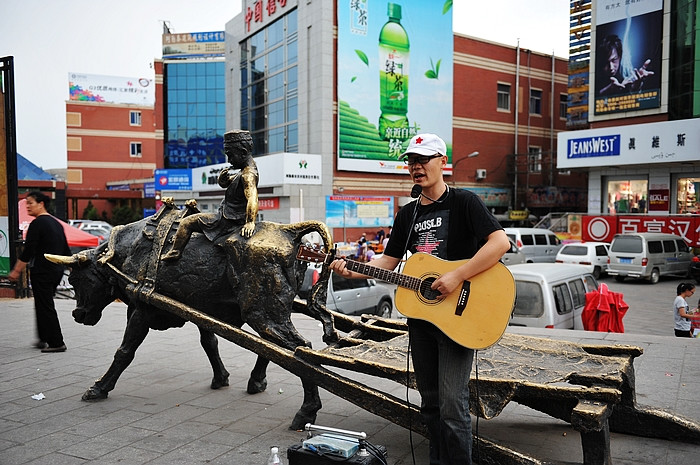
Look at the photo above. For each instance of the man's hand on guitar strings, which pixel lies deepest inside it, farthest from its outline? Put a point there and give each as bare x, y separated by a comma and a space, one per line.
339, 266
447, 283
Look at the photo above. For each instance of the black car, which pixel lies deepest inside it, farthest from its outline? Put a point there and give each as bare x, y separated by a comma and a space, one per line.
694, 270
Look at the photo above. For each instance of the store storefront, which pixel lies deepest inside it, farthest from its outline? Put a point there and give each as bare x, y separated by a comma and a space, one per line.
637, 169
627, 195
687, 195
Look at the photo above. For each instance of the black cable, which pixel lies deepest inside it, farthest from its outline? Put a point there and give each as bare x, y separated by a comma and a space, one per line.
415, 193
408, 403
376, 452
476, 428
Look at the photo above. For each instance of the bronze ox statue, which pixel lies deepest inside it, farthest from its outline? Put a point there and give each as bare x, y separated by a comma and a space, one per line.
234, 280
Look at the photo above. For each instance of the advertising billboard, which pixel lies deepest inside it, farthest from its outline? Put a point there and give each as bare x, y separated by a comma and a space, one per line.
277, 169
110, 89
194, 44
579, 64
395, 77
173, 180
359, 211
628, 56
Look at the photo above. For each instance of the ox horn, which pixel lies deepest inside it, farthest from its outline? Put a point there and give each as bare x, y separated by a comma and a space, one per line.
64, 260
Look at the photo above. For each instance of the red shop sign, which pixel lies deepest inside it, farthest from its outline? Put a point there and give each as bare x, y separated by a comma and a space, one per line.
603, 228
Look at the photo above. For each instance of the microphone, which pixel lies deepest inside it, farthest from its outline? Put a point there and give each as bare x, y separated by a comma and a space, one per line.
416, 191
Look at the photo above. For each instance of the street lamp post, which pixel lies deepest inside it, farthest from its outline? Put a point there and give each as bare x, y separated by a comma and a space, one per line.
454, 165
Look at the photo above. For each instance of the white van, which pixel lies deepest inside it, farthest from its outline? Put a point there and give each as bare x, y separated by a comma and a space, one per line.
551, 295
538, 245
648, 256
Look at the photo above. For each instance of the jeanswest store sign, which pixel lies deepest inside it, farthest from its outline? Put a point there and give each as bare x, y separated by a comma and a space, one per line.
639, 144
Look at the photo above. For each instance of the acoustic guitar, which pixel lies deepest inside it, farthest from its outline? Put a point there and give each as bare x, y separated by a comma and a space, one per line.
474, 316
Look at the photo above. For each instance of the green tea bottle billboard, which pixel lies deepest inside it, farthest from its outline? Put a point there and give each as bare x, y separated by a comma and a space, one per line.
393, 76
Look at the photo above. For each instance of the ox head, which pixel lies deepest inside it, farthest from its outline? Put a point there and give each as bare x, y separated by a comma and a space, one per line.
94, 286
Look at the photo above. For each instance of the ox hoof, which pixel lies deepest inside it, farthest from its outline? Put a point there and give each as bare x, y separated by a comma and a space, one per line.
331, 337
300, 421
94, 393
219, 383
256, 387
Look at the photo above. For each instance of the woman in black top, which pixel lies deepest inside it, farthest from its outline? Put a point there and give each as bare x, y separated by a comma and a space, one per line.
45, 235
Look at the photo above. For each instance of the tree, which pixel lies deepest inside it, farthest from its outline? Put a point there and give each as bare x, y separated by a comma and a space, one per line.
90, 212
125, 215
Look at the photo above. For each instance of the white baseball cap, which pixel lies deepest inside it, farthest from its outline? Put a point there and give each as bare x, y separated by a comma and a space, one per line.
426, 144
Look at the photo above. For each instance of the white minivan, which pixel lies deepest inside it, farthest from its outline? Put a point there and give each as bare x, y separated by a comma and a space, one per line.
539, 245
551, 295
592, 254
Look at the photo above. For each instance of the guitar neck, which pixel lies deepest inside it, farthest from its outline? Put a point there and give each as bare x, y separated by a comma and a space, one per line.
389, 276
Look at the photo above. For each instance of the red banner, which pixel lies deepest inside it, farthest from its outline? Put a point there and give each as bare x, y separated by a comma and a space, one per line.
603, 228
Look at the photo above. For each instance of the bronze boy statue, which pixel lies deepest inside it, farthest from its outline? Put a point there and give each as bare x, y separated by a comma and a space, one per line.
240, 204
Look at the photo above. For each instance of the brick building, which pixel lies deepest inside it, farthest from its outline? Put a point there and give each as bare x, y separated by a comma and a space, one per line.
111, 150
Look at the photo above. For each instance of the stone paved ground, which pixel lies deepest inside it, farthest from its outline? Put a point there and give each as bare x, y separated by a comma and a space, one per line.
163, 412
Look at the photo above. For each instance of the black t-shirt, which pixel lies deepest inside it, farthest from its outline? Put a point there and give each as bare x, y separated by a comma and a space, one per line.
45, 235
453, 229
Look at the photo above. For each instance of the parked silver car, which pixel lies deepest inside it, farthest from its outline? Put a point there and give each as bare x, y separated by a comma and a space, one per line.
353, 296
538, 245
514, 255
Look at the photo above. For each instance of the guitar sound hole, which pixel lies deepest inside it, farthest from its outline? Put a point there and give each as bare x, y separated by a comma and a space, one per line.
426, 292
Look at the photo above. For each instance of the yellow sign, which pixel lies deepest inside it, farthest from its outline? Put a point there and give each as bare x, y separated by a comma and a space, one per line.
518, 215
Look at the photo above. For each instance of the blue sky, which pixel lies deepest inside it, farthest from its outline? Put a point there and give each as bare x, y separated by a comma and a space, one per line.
49, 39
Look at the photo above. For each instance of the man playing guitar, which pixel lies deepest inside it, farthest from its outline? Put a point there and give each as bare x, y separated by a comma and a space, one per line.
451, 224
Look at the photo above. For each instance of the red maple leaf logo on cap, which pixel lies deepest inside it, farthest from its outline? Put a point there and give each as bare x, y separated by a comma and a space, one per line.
419, 140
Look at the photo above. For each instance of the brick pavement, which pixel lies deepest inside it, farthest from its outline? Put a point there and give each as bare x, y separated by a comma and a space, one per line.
163, 412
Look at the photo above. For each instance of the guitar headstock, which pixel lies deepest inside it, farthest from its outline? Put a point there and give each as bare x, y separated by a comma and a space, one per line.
308, 254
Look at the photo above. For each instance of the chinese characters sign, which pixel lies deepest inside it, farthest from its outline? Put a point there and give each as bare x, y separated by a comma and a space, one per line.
604, 228
639, 144
110, 89
260, 11
194, 44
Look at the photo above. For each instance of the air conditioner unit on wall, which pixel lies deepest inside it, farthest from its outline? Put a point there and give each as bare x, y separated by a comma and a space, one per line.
480, 174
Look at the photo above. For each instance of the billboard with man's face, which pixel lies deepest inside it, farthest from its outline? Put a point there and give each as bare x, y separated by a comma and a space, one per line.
395, 77
628, 55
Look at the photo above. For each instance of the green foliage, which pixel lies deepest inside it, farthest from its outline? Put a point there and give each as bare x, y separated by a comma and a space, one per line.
447, 6
434, 72
90, 212
362, 56
125, 215
364, 59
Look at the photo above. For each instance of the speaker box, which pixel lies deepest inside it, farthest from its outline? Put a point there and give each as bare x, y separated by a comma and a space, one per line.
297, 455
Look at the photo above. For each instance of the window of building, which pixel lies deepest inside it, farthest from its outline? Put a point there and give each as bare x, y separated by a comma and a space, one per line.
534, 160
535, 102
269, 87
688, 195
627, 196
135, 118
563, 105
135, 148
503, 97
195, 113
